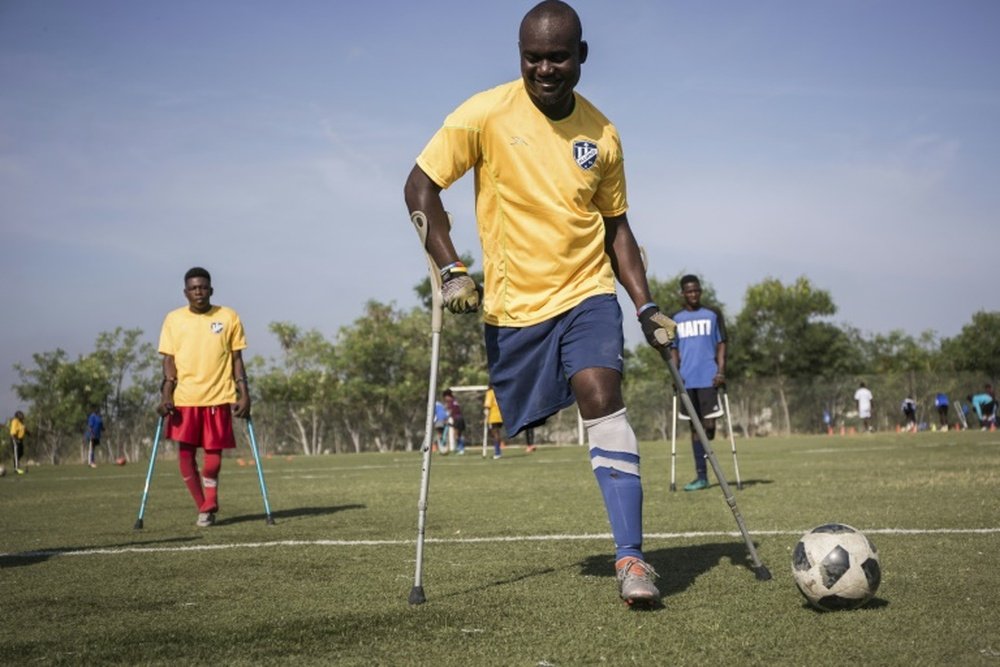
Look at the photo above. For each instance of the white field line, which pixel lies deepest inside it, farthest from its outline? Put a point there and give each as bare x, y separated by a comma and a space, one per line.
466, 540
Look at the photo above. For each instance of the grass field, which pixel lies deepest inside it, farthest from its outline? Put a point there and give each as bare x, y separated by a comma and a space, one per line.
518, 567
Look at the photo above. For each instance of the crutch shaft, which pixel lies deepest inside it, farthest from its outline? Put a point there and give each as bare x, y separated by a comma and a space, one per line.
260, 472
760, 570
732, 439
149, 472
673, 446
421, 223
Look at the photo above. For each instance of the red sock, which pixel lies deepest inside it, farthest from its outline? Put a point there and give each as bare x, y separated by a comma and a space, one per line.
213, 463
189, 472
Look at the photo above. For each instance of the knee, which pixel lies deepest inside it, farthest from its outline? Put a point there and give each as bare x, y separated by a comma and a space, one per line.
598, 392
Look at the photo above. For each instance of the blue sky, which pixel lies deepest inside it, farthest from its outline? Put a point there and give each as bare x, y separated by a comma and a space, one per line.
852, 141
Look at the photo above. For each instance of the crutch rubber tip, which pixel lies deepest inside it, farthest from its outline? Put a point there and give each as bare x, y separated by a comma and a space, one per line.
270, 520
138, 525
673, 487
739, 486
417, 595
763, 574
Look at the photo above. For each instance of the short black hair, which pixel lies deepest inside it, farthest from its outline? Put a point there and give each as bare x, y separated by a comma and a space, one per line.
689, 278
447, 392
197, 272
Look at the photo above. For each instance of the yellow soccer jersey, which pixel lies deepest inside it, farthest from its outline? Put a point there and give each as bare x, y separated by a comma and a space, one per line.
17, 429
202, 345
542, 189
490, 403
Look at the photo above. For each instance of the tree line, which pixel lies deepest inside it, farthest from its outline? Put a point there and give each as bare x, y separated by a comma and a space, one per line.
365, 389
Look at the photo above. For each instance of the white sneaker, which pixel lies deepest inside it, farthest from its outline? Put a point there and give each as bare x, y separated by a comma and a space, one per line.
206, 519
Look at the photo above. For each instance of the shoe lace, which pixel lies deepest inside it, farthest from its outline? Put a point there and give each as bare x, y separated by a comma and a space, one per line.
646, 570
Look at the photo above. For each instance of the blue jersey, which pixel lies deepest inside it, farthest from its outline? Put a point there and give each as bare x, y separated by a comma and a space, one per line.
941, 400
95, 425
699, 332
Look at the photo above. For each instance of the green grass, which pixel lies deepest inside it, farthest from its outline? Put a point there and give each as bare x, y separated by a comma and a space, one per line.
329, 583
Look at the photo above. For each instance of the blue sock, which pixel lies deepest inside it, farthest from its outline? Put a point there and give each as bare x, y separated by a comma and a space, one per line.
614, 457
700, 465
623, 500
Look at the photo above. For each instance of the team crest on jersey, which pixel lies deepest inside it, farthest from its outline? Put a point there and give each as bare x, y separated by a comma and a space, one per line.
585, 153
217, 327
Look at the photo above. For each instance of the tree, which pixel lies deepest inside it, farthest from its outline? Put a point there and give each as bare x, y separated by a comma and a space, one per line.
777, 335
382, 367
132, 369
977, 346
301, 389
60, 393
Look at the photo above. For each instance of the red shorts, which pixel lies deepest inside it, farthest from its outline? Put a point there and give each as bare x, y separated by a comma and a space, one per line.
209, 427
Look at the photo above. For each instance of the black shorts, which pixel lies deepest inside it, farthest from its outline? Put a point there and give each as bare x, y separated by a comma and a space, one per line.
706, 403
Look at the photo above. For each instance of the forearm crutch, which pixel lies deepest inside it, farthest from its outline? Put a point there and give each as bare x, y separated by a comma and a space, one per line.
269, 520
732, 438
762, 573
149, 473
961, 416
673, 445
420, 221
17, 459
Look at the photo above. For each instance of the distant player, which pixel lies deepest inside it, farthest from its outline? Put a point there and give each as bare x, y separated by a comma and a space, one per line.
700, 354
17, 435
95, 427
941, 403
440, 421
863, 397
204, 385
909, 408
985, 406
494, 420
456, 423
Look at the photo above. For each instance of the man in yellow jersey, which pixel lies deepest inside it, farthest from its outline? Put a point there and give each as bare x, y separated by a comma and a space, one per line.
551, 210
203, 367
17, 433
494, 420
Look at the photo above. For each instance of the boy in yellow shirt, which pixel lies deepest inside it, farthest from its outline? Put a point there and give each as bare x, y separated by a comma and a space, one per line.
203, 368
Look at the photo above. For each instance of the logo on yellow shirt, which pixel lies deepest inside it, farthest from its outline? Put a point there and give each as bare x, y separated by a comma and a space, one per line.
585, 153
217, 327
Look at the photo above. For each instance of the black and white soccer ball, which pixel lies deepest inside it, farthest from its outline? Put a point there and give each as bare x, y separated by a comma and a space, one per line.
836, 567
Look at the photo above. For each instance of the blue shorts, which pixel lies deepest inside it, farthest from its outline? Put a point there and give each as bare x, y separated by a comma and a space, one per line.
530, 367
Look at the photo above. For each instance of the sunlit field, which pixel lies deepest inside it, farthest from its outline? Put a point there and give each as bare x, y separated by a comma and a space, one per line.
518, 560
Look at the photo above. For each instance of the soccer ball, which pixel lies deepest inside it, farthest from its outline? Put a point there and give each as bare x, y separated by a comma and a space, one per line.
836, 567
121, 460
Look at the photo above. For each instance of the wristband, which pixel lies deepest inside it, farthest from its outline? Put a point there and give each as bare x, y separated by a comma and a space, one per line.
644, 307
242, 379
454, 267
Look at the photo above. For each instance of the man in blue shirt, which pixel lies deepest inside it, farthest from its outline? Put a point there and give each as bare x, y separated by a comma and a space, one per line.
95, 427
699, 350
941, 403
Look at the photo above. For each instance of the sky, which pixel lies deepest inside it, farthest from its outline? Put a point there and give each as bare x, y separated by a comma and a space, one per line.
855, 142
